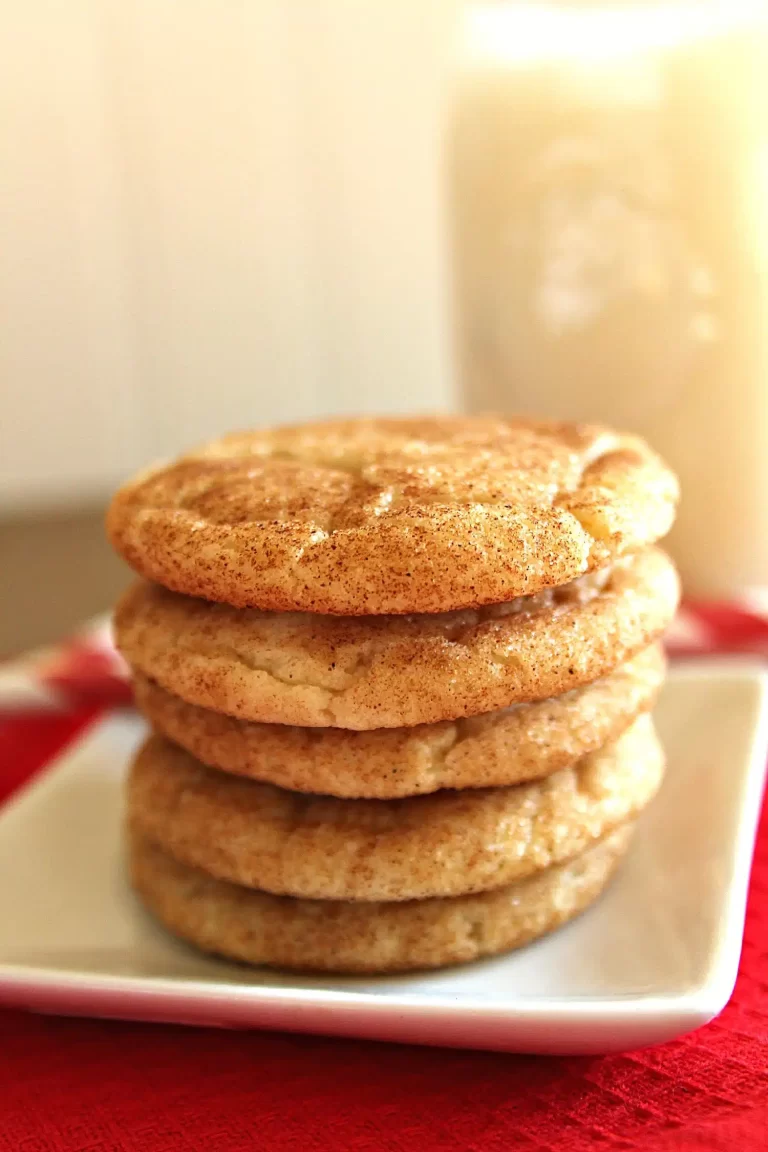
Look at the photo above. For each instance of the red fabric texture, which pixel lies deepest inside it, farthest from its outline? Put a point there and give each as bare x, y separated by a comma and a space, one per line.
98, 1086
83, 673
31, 740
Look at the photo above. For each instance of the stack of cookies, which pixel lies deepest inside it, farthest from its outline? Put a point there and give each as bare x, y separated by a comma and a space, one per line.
399, 675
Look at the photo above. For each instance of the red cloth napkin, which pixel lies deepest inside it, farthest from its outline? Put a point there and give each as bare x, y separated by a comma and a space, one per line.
98, 1086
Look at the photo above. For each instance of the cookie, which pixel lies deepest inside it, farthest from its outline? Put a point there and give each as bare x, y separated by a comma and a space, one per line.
521, 743
395, 671
446, 844
368, 517
333, 936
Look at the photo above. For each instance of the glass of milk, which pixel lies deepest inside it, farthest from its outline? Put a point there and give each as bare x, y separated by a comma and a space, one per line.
609, 208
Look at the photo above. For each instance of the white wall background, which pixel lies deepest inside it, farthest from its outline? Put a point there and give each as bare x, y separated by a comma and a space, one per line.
213, 213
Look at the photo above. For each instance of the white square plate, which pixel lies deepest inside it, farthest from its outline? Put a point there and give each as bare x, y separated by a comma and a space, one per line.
655, 957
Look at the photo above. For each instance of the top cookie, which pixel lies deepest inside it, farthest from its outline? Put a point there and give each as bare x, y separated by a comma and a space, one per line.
364, 517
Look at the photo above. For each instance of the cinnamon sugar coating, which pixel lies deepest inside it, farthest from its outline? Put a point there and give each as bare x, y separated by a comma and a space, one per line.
396, 671
369, 517
446, 844
511, 746
333, 936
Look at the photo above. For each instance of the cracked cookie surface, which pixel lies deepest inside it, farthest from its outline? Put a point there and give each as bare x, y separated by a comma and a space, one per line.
362, 517
446, 844
335, 936
396, 671
524, 742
